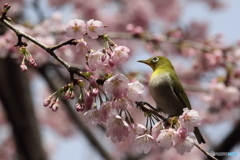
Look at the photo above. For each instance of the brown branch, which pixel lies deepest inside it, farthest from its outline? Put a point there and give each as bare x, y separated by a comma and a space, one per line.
49, 49
205, 152
162, 38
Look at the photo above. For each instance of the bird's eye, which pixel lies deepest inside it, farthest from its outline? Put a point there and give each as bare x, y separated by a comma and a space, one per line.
155, 59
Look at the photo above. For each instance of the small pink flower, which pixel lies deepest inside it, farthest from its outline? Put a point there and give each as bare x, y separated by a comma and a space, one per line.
118, 129
156, 130
93, 117
166, 138
190, 119
97, 60
143, 143
186, 145
120, 55
135, 90
76, 29
136, 129
23, 67
116, 85
95, 28
106, 110
83, 48
121, 103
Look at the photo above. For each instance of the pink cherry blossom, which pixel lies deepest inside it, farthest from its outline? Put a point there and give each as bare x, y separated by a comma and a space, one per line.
135, 130
135, 89
157, 129
76, 29
186, 145
166, 138
106, 110
120, 55
143, 143
97, 60
190, 119
121, 103
118, 129
93, 116
83, 48
95, 28
116, 85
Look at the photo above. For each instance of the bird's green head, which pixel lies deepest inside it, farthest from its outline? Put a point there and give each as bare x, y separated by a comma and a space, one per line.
158, 62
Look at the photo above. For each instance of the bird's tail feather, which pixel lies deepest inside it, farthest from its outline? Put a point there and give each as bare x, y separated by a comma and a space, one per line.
198, 135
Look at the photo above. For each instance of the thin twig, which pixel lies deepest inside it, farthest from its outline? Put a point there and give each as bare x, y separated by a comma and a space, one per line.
205, 152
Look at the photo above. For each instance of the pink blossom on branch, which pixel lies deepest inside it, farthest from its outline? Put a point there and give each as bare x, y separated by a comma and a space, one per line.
116, 85
118, 129
119, 55
135, 89
190, 119
143, 143
95, 28
97, 60
186, 145
166, 138
76, 29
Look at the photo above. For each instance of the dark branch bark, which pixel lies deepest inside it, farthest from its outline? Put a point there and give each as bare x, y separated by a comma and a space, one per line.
16, 99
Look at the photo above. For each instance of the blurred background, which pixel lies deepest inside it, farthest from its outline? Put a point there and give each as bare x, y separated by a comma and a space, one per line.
201, 37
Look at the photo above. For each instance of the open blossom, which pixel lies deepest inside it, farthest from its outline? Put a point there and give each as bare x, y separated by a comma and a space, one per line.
186, 145
107, 110
190, 119
83, 48
95, 28
116, 85
76, 29
118, 129
135, 89
121, 103
93, 116
97, 60
143, 143
136, 129
166, 138
120, 55
157, 129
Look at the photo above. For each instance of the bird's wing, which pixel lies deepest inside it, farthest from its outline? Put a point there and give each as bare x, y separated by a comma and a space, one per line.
179, 91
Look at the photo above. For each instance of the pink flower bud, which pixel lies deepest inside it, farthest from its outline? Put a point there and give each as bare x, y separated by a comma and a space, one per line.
72, 95
47, 101
67, 94
23, 67
94, 92
55, 107
79, 107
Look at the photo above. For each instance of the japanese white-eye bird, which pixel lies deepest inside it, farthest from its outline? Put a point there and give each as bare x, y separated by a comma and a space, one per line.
167, 90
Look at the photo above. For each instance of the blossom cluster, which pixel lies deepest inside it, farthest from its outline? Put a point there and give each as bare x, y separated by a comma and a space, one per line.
120, 128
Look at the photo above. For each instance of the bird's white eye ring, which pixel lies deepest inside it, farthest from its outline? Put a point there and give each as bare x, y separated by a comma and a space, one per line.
155, 59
